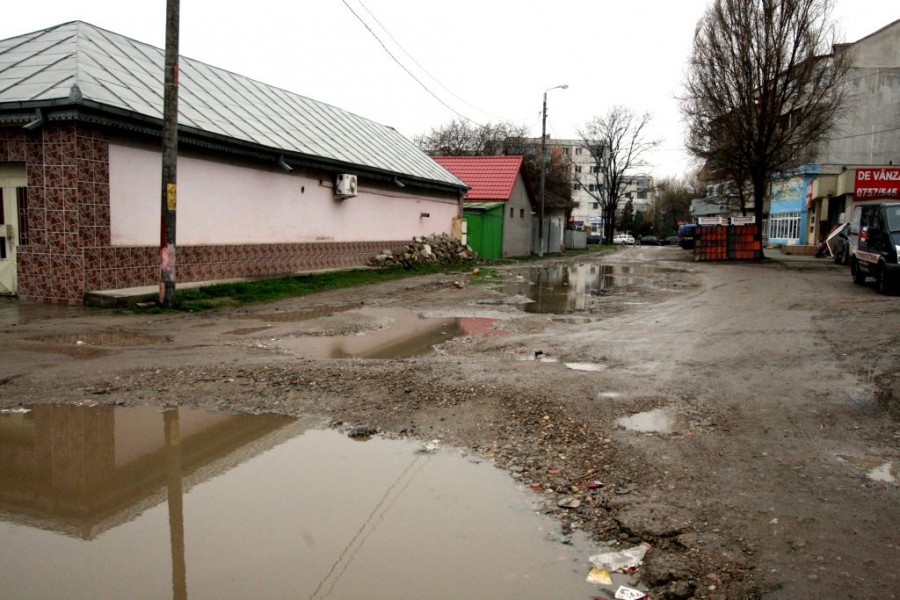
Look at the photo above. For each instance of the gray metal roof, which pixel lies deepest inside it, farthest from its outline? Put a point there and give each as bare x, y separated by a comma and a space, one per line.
116, 72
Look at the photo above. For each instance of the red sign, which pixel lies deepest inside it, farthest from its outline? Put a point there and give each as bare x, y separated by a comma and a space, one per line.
881, 182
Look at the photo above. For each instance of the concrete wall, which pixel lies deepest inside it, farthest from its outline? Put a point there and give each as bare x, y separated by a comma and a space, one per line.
866, 131
517, 226
222, 203
90, 229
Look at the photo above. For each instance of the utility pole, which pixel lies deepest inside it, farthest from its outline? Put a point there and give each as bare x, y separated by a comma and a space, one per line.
544, 166
169, 159
543, 174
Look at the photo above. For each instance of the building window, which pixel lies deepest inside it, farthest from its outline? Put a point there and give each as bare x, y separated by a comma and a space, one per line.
595, 168
595, 205
521, 213
785, 226
577, 151
576, 186
578, 168
512, 212
592, 187
565, 150
642, 194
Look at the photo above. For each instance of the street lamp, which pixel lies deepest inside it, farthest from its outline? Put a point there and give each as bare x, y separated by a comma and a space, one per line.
544, 165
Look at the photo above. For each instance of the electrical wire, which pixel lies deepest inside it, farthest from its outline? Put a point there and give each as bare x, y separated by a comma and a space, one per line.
424, 70
408, 72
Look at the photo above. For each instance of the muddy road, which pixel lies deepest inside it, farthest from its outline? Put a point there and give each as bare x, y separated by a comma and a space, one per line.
741, 418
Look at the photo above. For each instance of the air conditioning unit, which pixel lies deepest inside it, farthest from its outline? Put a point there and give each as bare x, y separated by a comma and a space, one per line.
345, 186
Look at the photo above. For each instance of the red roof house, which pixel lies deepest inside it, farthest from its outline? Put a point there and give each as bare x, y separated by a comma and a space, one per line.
497, 187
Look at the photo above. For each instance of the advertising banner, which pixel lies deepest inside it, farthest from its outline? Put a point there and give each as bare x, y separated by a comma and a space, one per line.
873, 183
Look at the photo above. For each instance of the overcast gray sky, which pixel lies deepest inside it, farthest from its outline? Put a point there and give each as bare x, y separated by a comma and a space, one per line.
488, 60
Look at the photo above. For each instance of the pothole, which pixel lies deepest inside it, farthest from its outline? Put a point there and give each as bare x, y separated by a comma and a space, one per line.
97, 502
660, 420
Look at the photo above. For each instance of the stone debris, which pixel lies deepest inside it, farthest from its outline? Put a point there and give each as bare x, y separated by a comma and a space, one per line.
436, 249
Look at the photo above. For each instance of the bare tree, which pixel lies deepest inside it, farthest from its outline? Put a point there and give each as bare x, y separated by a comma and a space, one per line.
463, 138
617, 143
672, 206
762, 88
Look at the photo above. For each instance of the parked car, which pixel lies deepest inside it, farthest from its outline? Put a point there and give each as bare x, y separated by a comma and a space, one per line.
595, 237
623, 238
686, 236
874, 242
649, 240
671, 240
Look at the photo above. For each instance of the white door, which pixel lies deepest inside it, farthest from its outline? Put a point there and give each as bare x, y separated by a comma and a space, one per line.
12, 180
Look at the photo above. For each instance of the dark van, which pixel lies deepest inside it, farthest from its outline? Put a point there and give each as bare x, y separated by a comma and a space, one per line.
686, 236
874, 241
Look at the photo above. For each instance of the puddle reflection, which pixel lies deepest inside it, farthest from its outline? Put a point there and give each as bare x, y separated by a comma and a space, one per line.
660, 420
568, 288
100, 502
876, 469
390, 334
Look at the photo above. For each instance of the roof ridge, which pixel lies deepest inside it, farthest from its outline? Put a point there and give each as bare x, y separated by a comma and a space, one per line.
115, 73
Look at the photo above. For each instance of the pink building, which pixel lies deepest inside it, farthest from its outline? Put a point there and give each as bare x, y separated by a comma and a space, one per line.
269, 182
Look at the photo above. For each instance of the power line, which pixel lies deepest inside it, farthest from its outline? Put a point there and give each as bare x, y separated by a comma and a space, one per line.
868, 133
402, 66
418, 64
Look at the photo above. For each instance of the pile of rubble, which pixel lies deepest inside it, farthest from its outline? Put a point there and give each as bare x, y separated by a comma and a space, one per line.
436, 249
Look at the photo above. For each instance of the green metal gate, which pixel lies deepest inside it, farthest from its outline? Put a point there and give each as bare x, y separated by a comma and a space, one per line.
485, 228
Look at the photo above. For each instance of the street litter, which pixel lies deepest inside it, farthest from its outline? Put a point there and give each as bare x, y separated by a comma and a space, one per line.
14, 411
625, 593
621, 560
595, 484
569, 502
600, 577
430, 447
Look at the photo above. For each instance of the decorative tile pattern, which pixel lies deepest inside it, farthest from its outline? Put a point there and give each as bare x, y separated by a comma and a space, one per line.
67, 167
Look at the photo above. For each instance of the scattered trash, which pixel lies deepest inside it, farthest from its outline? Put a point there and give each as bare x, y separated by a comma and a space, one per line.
599, 577
14, 411
595, 484
621, 560
430, 447
458, 285
537, 486
362, 432
476, 271
569, 502
79, 342
626, 593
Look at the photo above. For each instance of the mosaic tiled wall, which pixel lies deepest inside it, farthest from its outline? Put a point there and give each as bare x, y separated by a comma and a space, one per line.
67, 170
69, 252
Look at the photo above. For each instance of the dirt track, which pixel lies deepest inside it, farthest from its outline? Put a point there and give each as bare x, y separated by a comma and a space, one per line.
773, 370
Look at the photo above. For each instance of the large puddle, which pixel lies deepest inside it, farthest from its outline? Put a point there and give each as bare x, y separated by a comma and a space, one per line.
144, 503
569, 288
387, 333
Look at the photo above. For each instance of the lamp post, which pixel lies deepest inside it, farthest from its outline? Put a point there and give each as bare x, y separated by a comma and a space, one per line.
544, 165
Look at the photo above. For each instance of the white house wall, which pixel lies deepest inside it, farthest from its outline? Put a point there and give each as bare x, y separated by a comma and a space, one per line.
227, 204
517, 228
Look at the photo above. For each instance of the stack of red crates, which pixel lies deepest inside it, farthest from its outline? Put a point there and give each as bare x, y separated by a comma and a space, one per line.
711, 242
741, 245
721, 242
